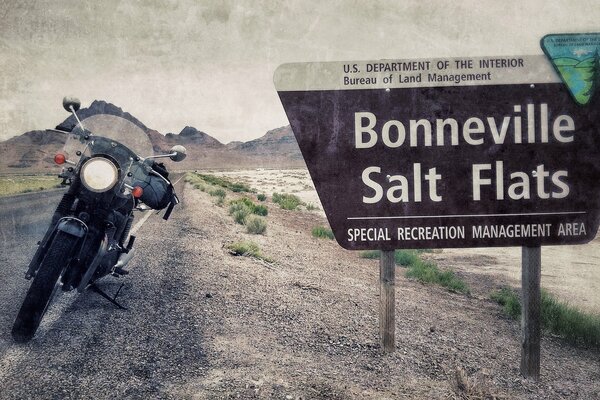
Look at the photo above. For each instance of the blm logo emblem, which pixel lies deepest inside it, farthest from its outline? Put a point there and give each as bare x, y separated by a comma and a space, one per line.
576, 59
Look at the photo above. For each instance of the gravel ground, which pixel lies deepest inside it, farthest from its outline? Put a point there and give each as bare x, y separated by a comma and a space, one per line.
306, 326
204, 324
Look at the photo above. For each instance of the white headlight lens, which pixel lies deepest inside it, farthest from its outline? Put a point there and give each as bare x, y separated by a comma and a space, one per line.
99, 174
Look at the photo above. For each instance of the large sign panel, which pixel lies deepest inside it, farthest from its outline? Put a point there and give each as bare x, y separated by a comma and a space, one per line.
486, 151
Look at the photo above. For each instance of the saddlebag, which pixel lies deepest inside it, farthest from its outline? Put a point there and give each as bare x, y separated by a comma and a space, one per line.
157, 193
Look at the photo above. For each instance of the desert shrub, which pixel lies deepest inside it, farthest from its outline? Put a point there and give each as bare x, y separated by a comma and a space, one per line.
322, 232
257, 209
288, 204
239, 187
558, 317
287, 201
218, 192
406, 258
569, 322
423, 271
244, 248
235, 205
261, 197
255, 225
428, 272
239, 212
248, 249
193, 179
224, 183
509, 300
311, 207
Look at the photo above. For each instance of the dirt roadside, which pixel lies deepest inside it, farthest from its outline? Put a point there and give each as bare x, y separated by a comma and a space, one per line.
306, 326
569, 272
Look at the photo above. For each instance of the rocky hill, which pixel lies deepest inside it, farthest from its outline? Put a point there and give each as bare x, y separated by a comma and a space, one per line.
34, 151
280, 142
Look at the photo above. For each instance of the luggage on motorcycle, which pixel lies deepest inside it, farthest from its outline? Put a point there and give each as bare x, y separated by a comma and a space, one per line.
158, 192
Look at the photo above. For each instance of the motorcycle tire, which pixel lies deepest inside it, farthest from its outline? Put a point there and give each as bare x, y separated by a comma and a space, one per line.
42, 287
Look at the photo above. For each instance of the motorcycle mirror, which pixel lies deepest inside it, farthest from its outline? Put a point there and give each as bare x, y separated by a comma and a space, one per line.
69, 101
178, 153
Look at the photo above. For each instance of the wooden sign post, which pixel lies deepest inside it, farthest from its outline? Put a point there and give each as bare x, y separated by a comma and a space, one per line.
387, 301
531, 299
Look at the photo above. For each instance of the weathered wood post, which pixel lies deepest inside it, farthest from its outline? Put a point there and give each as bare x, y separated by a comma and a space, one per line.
531, 312
387, 301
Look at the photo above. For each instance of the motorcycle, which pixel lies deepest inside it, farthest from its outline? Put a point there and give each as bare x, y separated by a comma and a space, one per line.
89, 236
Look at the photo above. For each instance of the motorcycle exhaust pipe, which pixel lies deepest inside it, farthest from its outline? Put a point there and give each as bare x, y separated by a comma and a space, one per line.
124, 259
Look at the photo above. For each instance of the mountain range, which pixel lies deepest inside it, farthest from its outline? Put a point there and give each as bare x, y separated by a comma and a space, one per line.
34, 151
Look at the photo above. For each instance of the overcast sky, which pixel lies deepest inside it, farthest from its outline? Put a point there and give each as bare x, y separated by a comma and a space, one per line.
210, 64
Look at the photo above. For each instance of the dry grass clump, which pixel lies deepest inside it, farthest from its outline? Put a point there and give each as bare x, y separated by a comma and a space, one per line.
245, 212
558, 317
287, 201
255, 225
476, 387
322, 232
424, 271
247, 249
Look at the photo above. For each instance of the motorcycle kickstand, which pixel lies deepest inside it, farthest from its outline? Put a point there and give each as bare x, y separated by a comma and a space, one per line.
113, 300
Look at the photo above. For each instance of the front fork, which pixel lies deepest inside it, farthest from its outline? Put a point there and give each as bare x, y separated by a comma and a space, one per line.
63, 209
70, 225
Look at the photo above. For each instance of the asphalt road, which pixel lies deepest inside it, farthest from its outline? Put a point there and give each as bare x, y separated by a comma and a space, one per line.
26, 214
85, 347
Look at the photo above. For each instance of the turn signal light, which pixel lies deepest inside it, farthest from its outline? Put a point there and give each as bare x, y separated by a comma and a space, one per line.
137, 192
60, 159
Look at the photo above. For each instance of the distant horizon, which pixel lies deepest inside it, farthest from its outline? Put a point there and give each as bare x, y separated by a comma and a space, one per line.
83, 106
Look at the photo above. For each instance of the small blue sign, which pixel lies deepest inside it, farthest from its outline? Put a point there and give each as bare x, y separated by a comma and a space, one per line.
576, 58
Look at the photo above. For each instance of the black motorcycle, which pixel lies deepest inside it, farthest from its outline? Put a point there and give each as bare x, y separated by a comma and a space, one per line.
89, 236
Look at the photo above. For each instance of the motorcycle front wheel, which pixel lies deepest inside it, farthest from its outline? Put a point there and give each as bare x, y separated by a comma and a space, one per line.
42, 287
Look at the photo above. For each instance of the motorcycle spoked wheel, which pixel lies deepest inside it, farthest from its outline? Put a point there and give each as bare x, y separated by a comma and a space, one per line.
43, 287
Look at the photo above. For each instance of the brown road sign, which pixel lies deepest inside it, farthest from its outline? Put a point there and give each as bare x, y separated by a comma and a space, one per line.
487, 151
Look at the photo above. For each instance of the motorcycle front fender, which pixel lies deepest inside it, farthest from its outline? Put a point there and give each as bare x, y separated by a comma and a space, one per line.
70, 225
73, 226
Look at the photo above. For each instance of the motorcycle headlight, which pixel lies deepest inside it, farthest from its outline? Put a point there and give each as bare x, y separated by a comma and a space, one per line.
99, 174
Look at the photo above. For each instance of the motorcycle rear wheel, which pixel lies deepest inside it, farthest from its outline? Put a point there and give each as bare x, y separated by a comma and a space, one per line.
42, 288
